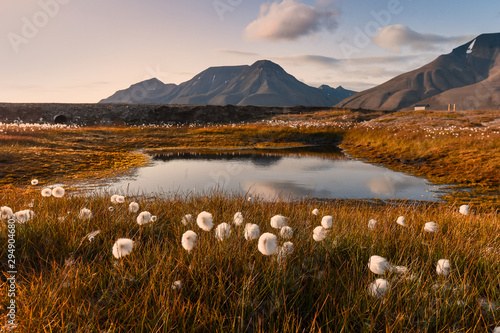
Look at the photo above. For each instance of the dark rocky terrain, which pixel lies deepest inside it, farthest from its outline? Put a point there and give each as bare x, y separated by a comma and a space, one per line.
264, 84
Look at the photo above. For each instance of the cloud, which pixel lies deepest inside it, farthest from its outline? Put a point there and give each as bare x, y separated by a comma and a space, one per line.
394, 37
236, 53
309, 59
291, 19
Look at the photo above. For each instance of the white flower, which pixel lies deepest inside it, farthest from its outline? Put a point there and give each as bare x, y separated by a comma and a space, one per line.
464, 210
399, 269
113, 198
252, 231
143, 218
111, 208
284, 251
278, 221
188, 218
34, 182
443, 267
46, 192
122, 247
401, 221
24, 216
286, 232
267, 244
205, 221
378, 288
372, 224
92, 235
189, 239
496, 329
222, 231
327, 222
58, 192
238, 218
6, 212
431, 227
133, 207
154, 218
315, 211
119, 199
319, 233
177, 285
378, 264
85, 214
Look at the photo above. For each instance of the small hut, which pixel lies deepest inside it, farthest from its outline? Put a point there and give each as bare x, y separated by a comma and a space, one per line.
419, 107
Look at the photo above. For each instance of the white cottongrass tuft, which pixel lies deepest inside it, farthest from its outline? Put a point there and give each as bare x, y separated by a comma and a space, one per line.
443, 267
278, 221
92, 235
58, 192
187, 219
120, 199
286, 232
319, 234
46, 192
34, 182
189, 239
496, 329
238, 218
252, 231
223, 231
464, 210
399, 269
133, 207
378, 288
327, 222
401, 221
143, 218
111, 208
267, 244
6, 212
177, 285
122, 247
315, 211
372, 224
378, 265
205, 221
85, 214
113, 198
154, 218
284, 251
24, 216
431, 227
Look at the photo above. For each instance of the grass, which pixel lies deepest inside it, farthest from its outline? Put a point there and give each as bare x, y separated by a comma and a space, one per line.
66, 283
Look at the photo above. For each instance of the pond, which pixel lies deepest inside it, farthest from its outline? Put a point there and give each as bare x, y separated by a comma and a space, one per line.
290, 176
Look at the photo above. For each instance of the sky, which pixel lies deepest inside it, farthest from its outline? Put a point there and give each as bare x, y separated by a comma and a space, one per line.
80, 51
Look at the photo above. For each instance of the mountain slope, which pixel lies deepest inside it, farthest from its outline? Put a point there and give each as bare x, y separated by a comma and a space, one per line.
263, 84
449, 79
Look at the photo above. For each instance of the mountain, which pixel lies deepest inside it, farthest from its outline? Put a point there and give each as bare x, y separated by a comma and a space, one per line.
469, 77
263, 84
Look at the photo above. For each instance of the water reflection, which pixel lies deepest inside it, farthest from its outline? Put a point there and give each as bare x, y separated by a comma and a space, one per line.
277, 173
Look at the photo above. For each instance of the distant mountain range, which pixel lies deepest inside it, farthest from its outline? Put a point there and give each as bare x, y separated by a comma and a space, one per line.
468, 77
262, 84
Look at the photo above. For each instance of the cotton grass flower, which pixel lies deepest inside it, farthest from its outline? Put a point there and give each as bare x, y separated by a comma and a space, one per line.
58, 192
113, 198
6, 212
34, 182
189, 239
238, 218
278, 221
284, 251
443, 267
144, 217
252, 231
378, 265
187, 219
496, 329
24, 216
92, 235
372, 224
431, 227
378, 288
46, 192
401, 221
119, 199
177, 285
205, 221
327, 222
85, 214
286, 232
464, 210
319, 234
122, 247
315, 211
154, 218
399, 269
267, 244
223, 231
133, 207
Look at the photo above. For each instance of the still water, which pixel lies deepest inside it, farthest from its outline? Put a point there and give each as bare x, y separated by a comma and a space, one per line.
273, 175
